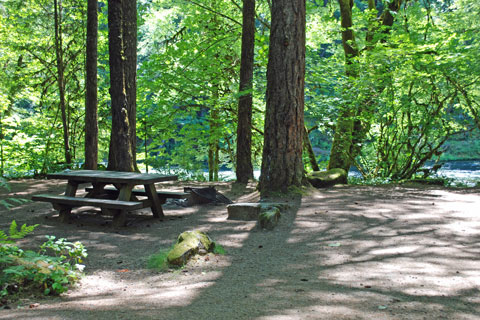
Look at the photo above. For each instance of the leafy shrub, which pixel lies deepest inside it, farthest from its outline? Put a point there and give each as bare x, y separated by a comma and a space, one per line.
38, 270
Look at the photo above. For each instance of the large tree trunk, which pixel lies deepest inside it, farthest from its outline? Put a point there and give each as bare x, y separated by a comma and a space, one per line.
91, 100
120, 155
130, 68
61, 79
282, 164
244, 170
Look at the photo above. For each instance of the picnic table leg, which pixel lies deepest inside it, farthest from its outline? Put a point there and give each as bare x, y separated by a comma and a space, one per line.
71, 190
120, 216
156, 204
64, 212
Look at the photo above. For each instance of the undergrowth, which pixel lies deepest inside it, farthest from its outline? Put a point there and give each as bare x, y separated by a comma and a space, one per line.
51, 270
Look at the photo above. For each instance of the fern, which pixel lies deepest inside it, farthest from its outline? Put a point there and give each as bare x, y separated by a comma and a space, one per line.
9, 203
3, 237
14, 233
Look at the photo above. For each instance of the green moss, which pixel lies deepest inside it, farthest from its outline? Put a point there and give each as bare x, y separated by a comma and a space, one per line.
158, 261
219, 249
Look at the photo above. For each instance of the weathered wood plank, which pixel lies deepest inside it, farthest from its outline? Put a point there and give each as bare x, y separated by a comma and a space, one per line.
78, 202
140, 192
94, 176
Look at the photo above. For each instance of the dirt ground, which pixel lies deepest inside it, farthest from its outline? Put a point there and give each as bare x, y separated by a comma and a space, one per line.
390, 252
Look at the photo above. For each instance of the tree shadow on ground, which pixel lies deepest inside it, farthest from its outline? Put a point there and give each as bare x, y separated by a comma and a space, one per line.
342, 253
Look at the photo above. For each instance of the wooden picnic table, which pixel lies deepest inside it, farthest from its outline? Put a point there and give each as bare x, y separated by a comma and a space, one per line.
124, 194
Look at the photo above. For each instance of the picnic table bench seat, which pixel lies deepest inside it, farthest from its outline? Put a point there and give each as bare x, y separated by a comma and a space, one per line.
115, 208
79, 202
163, 195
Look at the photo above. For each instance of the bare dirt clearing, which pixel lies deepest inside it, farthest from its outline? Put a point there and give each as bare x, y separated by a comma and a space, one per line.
342, 253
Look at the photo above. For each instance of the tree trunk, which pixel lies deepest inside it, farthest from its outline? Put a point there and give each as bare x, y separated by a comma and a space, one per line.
2, 158
61, 79
120, 154
244, 170
91, 101
307, 145
129, 27
351, 131
213, 146
282, 165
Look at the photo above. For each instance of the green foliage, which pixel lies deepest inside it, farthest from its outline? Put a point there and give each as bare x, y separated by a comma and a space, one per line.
30, 270
417, 86
14, 233
158, 261
219, 249
9, 203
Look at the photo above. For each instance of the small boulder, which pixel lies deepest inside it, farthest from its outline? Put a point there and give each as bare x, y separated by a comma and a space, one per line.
324, 179
188, 244
244, 211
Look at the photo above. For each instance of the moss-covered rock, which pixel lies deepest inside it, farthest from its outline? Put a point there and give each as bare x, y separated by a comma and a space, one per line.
324, 179
268, 218
188, 244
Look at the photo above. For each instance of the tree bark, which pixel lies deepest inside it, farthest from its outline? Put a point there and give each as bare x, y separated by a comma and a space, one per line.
61, 79
342, 141
307, 145
282, 165
120, 154
351, 131
91, 99
244, 170
130, 68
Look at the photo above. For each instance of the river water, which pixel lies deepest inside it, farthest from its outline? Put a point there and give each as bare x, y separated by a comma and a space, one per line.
461, 173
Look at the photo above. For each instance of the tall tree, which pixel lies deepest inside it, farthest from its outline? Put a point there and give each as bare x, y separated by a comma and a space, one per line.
129, 26
91, 100
61, 78
244, 169
353, 121
342, 141
120, 155
282, 164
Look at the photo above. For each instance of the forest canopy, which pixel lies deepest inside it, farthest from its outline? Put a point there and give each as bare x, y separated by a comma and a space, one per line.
389, 85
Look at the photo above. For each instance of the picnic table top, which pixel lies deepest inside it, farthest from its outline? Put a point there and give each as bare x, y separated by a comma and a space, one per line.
111, 176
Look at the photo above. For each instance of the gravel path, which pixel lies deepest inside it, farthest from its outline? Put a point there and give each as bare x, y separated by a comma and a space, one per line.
342, 253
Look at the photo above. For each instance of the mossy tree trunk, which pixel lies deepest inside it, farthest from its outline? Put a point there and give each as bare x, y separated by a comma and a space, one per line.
353, 121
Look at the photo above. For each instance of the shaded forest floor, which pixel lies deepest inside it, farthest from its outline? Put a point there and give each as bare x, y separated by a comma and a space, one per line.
389, 252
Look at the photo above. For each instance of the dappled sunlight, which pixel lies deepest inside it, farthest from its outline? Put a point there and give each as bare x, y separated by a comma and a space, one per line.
348, 252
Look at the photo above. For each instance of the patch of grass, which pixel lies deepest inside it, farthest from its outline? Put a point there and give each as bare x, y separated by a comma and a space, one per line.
219, 249
158, 261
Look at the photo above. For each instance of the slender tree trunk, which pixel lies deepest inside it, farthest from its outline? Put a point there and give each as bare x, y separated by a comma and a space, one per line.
213, 146
129, 26
61, 78
340, 153
307, 145
2, 159
351, 130
120, 154
244, 170
91, 100
282, 165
